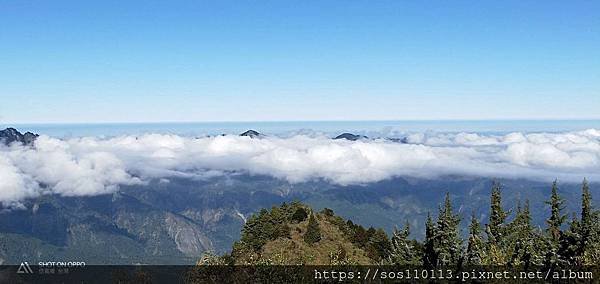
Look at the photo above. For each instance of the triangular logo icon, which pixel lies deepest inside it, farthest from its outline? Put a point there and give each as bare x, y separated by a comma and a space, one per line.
24, 268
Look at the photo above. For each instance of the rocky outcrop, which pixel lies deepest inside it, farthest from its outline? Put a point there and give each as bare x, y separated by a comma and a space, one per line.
11, 135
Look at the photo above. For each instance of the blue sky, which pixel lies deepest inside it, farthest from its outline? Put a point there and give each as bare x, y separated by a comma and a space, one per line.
135, 61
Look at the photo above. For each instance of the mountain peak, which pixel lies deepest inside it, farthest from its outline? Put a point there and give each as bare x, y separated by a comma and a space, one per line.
252, 134
11, 135
350, 136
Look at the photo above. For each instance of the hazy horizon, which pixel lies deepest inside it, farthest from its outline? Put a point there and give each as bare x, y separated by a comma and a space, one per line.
370, 128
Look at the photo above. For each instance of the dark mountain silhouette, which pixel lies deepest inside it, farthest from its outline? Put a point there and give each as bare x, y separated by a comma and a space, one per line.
350, 136
11, 135
252, 134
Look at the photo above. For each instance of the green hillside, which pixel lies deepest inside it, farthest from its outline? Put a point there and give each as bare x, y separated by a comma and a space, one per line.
295, 234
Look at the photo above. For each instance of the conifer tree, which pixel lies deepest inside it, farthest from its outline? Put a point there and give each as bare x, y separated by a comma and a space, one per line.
580, 244
360, 237
556, 219
447, 241
586, 216
591, 254
313, 232
524, 240
495, 230
402, 251
586, 203
589, 245
554, 224
569, 250
475, 254
429, 256
379, 246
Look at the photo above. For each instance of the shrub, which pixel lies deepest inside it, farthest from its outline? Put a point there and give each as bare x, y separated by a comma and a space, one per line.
313, 233
299, 215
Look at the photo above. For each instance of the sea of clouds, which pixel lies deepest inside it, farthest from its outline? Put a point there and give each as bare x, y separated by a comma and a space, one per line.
92, 165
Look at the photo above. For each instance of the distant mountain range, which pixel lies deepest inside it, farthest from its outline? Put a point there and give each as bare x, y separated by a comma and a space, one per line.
176, 221
10, 135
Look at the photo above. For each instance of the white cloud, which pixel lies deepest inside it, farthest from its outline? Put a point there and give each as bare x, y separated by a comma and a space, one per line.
15, 185
89, 165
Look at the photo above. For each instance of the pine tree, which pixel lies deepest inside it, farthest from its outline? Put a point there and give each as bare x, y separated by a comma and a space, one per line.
447, 241
360, 236
313, 232
556, 219
402, 251
524, 240
589, 245
554, 224
495, 230
586, 203
429, 256
475, 254
569, 250
496, 227
580, 244
591, 253
586, 217
379, 245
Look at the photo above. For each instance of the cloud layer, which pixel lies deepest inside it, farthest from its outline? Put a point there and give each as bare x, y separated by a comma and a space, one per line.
90, 165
